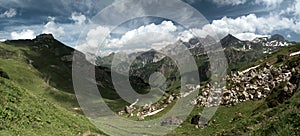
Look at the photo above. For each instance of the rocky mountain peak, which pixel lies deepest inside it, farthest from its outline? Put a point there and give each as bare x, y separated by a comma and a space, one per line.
228, 40
44, 38
278, 38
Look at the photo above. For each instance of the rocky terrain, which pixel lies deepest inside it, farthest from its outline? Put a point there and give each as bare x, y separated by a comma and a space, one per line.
252, 84
260, 82
255, 83
41, 71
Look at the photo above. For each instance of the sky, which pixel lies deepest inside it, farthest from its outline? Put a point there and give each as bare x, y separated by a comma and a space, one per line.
77, 22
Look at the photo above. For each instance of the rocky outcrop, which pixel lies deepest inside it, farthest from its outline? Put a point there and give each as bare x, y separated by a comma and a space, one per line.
44, 38
148, 109
253, 84
229, 40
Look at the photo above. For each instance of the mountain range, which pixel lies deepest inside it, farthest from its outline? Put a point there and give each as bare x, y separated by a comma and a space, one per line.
239, 53
38, 95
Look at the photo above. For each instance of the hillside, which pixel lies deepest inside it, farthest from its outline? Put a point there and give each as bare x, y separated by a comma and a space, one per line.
36, 89
276, 114
257, 101
38, 98
37, 66
22, 113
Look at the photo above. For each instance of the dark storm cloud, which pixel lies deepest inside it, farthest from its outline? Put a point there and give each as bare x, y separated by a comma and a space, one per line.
32, 12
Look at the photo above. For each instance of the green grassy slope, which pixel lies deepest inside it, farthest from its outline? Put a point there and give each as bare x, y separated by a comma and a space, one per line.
36, 96
20, 61
22, 113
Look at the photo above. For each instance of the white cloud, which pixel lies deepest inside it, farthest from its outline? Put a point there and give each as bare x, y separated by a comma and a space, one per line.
185, 36
144, 38
269, 3
78, 18
157, 36
66, 33
247, 24
229, 2
52, 28
24, 34
146, 35
248, 36
9, 13
92, 41
289, 36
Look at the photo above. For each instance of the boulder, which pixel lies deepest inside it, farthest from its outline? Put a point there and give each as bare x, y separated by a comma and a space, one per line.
128, 109
195, 119
170, 99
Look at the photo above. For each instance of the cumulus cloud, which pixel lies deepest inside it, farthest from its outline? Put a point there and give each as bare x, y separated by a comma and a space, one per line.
78, 18
185, 36
269, 3
52, 28
24, 34
9, 13
247, 25
145, 36
229, 2
157, 36
93, 41
66, 33
152, 36
248, 36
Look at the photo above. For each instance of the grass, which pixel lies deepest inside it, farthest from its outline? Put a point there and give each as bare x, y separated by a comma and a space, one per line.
29, 104
273, 58
22, 113
222, 120
28, 77
37, 98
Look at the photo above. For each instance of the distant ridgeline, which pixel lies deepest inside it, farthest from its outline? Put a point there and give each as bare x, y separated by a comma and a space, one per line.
38, 72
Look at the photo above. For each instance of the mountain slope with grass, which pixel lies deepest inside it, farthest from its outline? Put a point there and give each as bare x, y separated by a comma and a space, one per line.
37, 95
23, 113
277, 114
38, 66
36, 89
